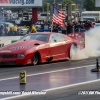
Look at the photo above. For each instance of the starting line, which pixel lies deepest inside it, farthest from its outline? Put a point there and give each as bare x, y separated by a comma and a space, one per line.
49, 81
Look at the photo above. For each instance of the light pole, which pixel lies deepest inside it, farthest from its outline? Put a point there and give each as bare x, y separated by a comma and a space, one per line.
48, 11
54, 2
65, 9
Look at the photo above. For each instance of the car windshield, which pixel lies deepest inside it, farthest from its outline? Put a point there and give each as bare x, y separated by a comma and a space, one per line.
40, 37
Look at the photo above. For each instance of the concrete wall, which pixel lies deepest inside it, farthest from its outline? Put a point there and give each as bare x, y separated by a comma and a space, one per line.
7, 39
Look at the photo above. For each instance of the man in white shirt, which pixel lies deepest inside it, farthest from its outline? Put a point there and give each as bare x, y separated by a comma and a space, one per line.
17, 21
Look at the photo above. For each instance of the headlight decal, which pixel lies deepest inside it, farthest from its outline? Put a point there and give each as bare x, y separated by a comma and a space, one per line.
20, 56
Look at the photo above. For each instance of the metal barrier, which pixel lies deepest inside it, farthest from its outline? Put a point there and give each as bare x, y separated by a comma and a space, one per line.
43, 30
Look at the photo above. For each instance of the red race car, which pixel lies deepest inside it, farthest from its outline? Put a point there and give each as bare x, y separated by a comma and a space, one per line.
41, 47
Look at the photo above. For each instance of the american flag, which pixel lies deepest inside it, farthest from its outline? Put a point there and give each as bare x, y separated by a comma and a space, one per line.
58, 16
4, 1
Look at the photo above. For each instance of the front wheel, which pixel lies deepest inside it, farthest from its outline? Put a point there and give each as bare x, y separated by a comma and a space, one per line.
73, 51
35, 59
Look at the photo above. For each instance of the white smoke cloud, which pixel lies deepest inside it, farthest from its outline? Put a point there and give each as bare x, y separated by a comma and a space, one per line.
92, 45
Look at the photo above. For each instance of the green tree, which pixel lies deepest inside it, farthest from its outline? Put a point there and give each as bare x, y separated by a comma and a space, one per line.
70, 2
89, 5
46, 6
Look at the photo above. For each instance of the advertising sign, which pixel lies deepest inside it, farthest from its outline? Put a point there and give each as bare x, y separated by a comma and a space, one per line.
97, 3
21, 3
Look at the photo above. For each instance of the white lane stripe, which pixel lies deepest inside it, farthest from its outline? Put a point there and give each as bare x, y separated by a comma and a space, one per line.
67, 86
48, 72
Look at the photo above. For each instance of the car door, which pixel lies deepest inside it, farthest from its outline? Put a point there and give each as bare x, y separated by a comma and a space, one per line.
57, 46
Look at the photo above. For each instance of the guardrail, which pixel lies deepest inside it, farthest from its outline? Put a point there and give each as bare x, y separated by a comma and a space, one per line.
82, 30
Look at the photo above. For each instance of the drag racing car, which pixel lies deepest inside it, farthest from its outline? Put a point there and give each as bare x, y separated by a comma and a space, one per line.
41, 47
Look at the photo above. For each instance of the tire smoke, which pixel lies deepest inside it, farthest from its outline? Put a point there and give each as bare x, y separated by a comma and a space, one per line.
92, 45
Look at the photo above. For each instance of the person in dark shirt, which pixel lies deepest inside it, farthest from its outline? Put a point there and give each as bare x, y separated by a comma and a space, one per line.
88, 25
77, 27
55, 28
64, 28
69, 28
2, 30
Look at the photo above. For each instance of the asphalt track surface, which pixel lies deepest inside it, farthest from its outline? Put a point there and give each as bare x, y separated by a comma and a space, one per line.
71, 93
59, 94
13, 71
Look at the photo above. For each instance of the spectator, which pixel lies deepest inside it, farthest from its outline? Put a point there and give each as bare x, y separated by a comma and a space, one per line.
17, 21
91, 24
33, 29
64, 29
46, 27
55, 28
2, 30
42, 24
15, 29
88, 25
83, 27
69, 28
7, 29
77, 27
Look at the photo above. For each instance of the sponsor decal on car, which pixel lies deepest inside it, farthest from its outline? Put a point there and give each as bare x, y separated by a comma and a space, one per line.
6, 51
20, 47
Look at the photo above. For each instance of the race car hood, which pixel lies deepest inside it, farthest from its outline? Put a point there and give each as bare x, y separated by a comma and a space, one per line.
21, 46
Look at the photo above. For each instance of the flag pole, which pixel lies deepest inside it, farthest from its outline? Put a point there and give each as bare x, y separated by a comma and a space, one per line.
54, 3
51, 26
52, 9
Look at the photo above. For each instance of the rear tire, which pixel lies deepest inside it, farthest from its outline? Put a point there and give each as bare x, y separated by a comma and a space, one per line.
35, 59
73, 51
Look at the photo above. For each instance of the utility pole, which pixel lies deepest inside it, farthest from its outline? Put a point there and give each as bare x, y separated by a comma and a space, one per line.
54, 2
67, 11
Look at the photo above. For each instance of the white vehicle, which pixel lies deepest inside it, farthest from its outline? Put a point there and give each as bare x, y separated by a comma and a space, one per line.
27, 15
97, 25
22, 30
44, 16
90, 15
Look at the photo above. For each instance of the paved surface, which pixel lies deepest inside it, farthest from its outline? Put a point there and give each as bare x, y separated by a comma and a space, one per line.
13, 71
50, 80
70, 93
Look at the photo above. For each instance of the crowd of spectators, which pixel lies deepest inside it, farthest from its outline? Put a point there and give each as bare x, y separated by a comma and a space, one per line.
5, 30
74, 27
41, 26
70, 26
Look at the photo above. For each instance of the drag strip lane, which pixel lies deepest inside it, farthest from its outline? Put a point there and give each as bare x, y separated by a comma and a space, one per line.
47, 72
68, 93
9, 71
51, 80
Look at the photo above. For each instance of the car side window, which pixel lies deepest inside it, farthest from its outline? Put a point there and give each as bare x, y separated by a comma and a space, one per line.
42, 38
56, 37
53, 39
59, 37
